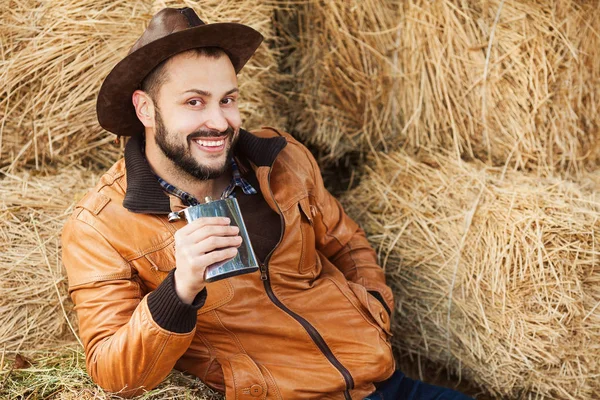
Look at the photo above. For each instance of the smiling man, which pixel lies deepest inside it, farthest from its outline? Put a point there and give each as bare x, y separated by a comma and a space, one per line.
312, 323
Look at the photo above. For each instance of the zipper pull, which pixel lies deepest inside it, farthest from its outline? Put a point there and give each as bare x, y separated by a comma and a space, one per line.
263, 272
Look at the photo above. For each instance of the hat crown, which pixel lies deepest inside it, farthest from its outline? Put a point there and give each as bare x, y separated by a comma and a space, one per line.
166, 22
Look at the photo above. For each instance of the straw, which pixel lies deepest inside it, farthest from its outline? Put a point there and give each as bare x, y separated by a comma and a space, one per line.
61, 375
341, 72
35, 309
50, 83
495, 272
511, 83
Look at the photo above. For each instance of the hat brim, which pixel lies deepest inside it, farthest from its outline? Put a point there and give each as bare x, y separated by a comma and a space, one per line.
114, 107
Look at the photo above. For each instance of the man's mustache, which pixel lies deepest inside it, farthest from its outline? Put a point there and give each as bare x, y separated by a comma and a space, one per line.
209, 133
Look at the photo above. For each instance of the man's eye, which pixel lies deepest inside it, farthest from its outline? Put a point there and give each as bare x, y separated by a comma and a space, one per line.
194, 102
227, 100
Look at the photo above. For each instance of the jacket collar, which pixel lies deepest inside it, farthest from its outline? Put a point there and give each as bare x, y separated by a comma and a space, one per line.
145, 195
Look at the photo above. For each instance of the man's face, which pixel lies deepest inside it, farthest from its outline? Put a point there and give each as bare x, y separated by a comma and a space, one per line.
197, 117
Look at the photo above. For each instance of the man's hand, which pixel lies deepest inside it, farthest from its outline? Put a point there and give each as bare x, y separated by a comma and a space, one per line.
199, 244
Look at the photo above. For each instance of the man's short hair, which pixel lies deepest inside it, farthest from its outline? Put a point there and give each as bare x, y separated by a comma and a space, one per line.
154, 80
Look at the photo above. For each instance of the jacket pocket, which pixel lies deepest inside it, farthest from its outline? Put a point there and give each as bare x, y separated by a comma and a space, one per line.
373, 307
162, 261
243, 379
217, 294
308, 257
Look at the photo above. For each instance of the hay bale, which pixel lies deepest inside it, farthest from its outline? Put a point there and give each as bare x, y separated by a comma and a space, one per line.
35, 309
51, 82
507, 82
513, 83
61, 375
496, 274
342, 68
60, 54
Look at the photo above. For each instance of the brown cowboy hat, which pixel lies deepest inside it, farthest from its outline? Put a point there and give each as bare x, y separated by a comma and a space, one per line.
170, 31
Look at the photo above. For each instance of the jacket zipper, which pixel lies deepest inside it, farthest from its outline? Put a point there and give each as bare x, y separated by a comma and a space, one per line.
311, 330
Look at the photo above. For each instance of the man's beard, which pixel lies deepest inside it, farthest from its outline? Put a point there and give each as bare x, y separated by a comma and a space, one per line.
181, 155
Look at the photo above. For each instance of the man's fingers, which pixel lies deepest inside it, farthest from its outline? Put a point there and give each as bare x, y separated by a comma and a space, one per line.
199, 224
204, 221
210, 221
219, 255
206, 232
217, 242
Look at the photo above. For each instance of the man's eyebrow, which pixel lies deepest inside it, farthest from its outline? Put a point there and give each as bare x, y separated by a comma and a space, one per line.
208, 94
198, 91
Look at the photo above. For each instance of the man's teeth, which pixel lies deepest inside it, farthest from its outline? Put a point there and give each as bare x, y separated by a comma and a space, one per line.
210, 143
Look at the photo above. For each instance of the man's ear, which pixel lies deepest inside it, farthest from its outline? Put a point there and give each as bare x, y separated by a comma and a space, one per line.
144, 108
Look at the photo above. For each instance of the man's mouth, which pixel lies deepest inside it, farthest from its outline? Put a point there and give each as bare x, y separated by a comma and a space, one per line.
210, 144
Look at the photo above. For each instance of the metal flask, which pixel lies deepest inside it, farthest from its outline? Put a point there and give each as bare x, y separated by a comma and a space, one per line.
245, 260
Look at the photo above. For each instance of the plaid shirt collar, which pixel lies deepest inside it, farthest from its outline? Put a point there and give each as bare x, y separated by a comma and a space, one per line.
190, 200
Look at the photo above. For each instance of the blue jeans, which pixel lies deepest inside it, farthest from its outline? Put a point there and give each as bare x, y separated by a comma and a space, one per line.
399, 387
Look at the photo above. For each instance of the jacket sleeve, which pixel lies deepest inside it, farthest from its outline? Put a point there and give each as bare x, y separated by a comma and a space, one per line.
127, 351
344, 243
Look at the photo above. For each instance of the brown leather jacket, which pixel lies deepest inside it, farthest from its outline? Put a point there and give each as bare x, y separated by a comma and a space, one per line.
303, 327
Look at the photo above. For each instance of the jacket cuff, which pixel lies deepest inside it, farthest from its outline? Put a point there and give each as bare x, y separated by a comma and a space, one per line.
379, 297
169, 312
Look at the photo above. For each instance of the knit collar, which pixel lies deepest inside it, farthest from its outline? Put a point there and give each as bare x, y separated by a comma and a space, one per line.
145, 195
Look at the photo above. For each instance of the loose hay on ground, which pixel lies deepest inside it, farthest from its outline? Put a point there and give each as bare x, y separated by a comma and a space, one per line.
34, 306
61, 375
496, 274
57, 54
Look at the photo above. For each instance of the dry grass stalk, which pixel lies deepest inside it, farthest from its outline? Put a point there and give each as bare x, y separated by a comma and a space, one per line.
61, 375
512, 83
34, 306
496, 275
56, 56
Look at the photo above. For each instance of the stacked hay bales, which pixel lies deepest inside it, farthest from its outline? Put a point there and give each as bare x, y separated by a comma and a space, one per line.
494, 270
507, 82
56, 56
510, 302
495, 274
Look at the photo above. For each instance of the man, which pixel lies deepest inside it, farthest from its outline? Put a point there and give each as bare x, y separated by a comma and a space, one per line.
313, 322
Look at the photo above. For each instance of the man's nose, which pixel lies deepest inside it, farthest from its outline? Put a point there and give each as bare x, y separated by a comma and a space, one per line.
216, 120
